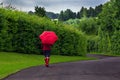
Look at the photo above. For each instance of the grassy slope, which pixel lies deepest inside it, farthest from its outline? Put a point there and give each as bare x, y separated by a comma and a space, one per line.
13, 62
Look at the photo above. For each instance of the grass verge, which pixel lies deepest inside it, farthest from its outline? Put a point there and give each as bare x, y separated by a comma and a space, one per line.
12, 62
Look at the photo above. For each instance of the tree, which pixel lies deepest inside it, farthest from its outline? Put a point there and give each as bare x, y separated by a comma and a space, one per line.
83, 12
66, 15
109, 18
69, 14
61, 16
88, 25
40, 11
91, 12
98, 9
116, 43
78, 15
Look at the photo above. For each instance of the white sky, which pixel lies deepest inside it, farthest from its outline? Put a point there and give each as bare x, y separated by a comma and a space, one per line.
53, 5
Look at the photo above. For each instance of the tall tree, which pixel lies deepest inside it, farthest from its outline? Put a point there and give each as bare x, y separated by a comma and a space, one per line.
69, 14
40, 11
82, 13
109, 18
66, 15
78, 15
98, 9
61, 16
91, 12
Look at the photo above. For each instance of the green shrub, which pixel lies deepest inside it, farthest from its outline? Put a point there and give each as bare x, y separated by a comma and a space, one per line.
19, 32
92, 43
116, 43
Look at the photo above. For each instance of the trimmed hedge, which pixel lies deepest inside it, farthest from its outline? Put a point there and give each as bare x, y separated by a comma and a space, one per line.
116, 43
19, 32
92, 43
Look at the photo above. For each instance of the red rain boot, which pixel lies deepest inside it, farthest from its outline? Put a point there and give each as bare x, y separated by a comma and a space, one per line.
47, 62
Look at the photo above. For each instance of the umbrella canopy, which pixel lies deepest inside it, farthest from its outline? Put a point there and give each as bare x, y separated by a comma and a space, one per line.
48, 37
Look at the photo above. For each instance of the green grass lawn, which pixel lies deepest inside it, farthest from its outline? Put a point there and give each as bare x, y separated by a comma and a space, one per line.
13, 62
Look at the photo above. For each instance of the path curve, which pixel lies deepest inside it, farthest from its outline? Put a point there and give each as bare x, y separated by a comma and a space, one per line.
106, 68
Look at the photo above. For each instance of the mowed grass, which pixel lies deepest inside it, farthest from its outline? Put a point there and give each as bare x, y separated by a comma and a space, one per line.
13, 62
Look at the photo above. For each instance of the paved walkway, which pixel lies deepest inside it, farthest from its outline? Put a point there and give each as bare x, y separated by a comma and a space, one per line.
106, 68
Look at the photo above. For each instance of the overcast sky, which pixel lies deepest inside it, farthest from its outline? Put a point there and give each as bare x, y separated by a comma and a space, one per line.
53, 5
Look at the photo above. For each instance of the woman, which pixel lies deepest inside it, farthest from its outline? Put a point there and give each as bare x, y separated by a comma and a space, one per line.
46, 51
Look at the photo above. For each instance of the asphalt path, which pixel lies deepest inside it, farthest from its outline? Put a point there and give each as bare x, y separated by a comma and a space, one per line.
106, 68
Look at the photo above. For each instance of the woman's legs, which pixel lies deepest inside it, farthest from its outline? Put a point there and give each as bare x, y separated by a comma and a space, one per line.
47, 57
47, 61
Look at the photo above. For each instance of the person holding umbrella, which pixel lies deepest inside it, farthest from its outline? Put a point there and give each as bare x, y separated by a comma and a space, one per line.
48, 38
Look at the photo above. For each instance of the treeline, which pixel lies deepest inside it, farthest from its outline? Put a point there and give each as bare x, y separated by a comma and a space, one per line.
84, 12
19, 32
68, 14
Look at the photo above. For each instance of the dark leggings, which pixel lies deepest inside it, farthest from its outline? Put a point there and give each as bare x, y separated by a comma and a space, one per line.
46, 53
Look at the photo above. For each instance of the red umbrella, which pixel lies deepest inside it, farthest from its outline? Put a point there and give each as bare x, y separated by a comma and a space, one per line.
48, 37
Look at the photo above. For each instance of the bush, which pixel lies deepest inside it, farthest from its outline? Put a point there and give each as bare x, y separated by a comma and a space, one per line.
116, 43
89, 26
19, 32
92, 43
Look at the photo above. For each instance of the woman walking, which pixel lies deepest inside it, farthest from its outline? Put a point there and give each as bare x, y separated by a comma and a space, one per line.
48, 38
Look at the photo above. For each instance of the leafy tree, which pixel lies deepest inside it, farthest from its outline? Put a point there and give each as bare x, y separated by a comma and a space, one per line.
98, 9
116, 43
66, 15
69, 14
88, 25
61, 16
91, 12
78, 15
83, 12
73, 22
40, 11
109, 20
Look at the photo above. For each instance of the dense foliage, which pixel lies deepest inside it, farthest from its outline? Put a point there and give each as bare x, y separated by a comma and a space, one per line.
106, 28
109, 31
103, 31
86, 25
19, 33
84, 12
